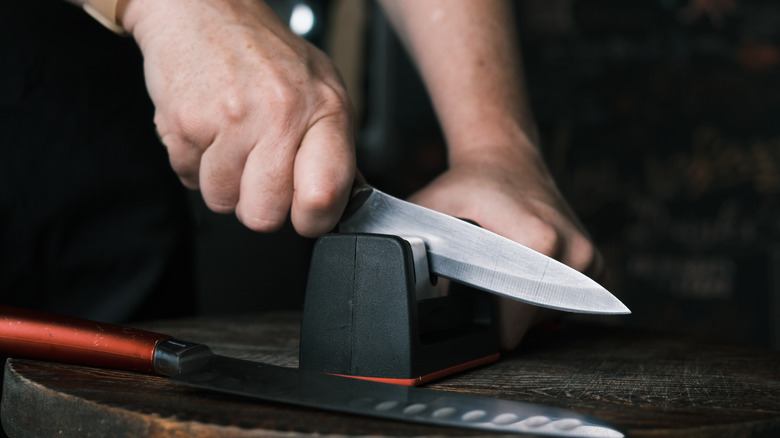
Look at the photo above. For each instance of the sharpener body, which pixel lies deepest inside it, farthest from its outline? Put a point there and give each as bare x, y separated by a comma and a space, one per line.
363, 318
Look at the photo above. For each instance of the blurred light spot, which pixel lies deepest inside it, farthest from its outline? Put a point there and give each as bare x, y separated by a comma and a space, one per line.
302, 19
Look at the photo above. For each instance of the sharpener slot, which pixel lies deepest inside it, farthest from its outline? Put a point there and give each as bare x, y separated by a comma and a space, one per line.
462, 312
425, 283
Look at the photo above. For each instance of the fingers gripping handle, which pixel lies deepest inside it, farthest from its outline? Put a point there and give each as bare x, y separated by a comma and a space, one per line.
38, 335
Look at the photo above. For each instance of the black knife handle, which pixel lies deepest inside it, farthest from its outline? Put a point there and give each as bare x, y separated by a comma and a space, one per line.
357, 197
172, 357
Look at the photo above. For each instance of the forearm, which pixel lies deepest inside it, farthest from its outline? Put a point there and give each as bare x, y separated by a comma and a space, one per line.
467, 53
468, 56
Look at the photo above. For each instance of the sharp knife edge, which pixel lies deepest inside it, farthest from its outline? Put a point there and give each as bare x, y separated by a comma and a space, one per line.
477, 257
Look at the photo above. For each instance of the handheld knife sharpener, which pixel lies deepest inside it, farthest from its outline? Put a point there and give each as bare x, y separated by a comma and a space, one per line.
371, 311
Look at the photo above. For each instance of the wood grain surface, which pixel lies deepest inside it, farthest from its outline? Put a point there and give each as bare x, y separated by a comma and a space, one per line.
649, 383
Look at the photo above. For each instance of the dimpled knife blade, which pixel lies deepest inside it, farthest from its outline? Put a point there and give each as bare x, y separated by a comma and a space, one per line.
477, 257
37, 335
410, 404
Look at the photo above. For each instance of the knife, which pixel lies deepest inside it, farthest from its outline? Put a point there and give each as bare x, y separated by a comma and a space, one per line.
468, 254
37, 335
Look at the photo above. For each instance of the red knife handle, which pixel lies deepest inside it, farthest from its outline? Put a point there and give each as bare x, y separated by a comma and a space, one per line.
39, 335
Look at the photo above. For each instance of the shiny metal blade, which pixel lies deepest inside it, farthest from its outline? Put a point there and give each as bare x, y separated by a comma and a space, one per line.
362, 397
479, 258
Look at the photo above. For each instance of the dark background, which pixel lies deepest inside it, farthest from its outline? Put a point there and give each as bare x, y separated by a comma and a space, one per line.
659, 119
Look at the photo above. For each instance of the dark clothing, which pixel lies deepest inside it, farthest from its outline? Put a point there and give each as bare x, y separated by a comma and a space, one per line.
93, 221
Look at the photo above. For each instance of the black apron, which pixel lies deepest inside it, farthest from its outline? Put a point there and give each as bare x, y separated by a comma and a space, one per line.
93, 221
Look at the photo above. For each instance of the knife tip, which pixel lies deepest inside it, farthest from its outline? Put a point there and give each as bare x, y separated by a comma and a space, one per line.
624, 310
619, 309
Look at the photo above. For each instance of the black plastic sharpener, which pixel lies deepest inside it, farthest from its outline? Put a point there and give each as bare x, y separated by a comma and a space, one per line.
371, 312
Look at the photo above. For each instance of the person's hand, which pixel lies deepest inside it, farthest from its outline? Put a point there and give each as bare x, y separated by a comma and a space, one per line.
515, 197
253, 115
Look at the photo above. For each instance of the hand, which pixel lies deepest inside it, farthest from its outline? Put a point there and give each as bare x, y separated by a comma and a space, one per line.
250, 113
515, 197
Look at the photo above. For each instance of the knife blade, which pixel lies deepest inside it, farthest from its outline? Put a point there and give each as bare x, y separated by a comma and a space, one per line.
474, 256
37, 335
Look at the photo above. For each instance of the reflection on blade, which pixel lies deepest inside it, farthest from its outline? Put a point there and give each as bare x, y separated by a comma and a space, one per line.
341, 394
482, 259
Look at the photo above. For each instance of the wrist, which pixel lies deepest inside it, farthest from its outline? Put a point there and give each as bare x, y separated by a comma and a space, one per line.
502, 155
105, 12
493, 145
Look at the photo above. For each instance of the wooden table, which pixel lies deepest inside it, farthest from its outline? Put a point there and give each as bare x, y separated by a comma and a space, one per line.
651, 384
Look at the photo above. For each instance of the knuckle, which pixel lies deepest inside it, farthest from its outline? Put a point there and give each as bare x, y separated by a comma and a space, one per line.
188, 175
188, 180
187, 121
319, 199
335, 99
263, 224
261, 216
176, 146
219, 206
283, 95
219, 189
161, 124
284, 107
233, 106
184, 160
582, 253
545, 238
